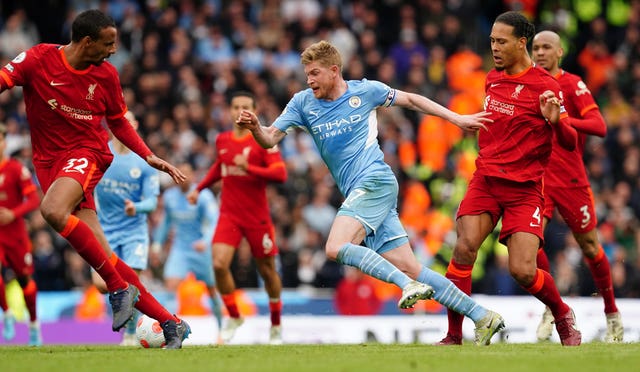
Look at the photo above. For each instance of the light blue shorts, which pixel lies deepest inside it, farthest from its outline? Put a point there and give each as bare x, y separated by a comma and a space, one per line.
181, 262
134, 253
374, 203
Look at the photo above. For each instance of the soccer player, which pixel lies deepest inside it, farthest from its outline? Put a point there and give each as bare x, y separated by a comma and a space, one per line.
126, 194
526, 110
341, 117
566, 185
245, 168
18, 196
69, 92
192, 226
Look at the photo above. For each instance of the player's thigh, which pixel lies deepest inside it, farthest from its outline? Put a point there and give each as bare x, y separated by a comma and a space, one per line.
477, 215
70, 181
262, 241
523, 205
390, 235
266, 266
17, 253
200, 266
177, 265
577, 208
134, 253
370, 202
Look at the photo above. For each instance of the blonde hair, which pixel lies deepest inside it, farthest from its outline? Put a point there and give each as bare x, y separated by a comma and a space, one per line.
322, 52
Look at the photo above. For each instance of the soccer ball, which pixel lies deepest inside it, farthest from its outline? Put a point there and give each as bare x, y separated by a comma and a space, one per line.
149, 333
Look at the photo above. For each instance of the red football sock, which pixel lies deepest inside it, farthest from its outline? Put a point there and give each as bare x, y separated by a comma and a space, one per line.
3, 296
81, 238
275, 307
601, 272
30, 292
544, 289
460, 275
147, 304
230, 303
542, 261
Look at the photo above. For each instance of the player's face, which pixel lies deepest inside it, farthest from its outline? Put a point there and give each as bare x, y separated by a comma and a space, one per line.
320, 79
102, 48
240, 103
546, 51
505, 46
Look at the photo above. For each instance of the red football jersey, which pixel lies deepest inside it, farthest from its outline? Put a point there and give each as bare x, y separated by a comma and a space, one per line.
517, 145
15, 185
243, 196
65, 107
566, 167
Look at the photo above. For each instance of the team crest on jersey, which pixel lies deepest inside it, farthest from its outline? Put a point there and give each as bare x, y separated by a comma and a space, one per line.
20, 57
582, 89
516, 93
355, 102
92, 88
135, 172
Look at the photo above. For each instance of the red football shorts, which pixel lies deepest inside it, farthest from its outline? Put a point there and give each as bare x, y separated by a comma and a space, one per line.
82, 165
15, 251
520, 204
575, 204
261, 239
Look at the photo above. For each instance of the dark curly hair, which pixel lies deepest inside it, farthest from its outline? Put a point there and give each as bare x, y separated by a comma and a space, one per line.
521, 25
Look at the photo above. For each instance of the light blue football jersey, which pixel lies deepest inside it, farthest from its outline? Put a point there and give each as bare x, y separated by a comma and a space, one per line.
345, 130
128, 177
189, 222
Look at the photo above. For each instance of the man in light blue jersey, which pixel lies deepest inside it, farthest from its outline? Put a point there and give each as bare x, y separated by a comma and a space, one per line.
193, 226
341, 117
126, 194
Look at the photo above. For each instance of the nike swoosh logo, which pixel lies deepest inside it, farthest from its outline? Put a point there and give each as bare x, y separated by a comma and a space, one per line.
494, 85
531, 224
54, 84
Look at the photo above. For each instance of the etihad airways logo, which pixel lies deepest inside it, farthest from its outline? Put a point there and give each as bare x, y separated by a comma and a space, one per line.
336, 127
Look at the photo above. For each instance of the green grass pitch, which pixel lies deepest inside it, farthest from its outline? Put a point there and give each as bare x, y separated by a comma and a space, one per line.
326, 358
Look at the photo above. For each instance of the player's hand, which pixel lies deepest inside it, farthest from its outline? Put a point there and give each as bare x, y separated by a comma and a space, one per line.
550, 106
241, 161
192, 196
248, 120
129, 208
474, 122
159, 164
199, 246
6, 216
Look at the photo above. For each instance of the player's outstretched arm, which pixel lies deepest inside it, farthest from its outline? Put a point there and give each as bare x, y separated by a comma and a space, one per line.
159, 164
423, 104
266, 137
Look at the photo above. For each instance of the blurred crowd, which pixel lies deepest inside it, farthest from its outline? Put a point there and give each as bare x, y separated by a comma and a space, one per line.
180, 60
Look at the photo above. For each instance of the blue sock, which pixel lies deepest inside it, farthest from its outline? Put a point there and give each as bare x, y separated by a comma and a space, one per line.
371, 263
216, 309
130, 327
451, 296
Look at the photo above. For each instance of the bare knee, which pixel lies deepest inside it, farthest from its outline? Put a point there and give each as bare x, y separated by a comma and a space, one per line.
464, 252
332, 250
55, 217
524, 276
